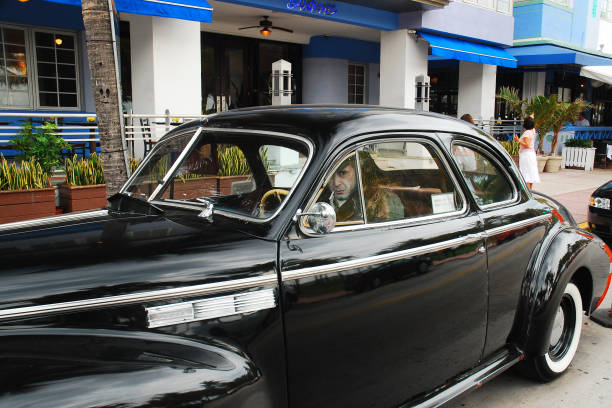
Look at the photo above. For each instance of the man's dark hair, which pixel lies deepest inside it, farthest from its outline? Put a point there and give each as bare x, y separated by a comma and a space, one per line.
528, 123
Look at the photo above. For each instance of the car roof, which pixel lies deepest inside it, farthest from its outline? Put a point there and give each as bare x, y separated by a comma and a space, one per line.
334, 124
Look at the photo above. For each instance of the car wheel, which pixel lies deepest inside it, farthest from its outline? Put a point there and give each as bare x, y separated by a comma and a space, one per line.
564, 337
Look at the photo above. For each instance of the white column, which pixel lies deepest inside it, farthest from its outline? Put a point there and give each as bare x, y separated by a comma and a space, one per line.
534, 84
476, 90
402, 59
166, 65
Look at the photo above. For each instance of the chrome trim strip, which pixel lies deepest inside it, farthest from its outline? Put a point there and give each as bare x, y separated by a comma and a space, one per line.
110, 301
211, 308
501, 363
41, 222
377, 259
177, 162
519, 224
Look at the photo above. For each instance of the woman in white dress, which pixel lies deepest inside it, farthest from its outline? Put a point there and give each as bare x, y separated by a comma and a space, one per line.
527, 157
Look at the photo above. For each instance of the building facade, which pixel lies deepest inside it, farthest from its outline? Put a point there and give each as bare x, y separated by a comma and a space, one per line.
341, 52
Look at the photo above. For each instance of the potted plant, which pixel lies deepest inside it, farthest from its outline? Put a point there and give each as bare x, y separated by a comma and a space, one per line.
539, 107
85, 187
512, 147
561, 113
25, 191
233, 167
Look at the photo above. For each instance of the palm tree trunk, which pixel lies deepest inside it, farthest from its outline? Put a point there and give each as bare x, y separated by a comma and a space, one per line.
98, 32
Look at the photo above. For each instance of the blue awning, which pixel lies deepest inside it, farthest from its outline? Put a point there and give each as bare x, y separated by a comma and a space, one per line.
194, 10
547, 54
454, 48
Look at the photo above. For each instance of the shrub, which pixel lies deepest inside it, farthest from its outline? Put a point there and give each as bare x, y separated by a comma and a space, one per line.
42, 143
84, 172
512, 147
584, 143
28, 175
232, 162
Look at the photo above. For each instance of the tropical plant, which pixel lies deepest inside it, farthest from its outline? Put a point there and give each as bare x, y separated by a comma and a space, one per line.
511, 146
510, 95
99, 24
541, 108
232, 162
583, 143
563, 113
84, 172
134, 163
41, 143
28, 175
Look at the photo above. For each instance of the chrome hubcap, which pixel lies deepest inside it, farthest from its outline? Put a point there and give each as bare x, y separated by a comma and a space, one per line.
557, 330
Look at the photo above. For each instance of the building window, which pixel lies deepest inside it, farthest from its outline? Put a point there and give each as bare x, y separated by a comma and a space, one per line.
356, 83
606, 10
14, 84
52, 84
501, 6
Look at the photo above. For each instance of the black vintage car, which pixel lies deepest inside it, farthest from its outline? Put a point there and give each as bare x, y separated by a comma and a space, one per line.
306, 256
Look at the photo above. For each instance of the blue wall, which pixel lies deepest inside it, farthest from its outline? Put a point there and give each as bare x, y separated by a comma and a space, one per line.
346, 12
41, 13
342, 48
539, 20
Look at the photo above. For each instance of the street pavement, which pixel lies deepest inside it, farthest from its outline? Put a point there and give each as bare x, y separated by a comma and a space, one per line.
588, 381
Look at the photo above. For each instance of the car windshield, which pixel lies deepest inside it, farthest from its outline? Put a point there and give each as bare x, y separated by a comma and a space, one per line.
246, 174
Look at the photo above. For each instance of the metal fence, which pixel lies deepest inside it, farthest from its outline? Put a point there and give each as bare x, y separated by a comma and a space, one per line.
80, 130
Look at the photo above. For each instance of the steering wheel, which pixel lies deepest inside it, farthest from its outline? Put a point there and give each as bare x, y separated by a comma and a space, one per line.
275, 192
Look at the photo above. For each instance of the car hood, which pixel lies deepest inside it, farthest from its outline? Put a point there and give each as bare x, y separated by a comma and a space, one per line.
604, 191
109, 252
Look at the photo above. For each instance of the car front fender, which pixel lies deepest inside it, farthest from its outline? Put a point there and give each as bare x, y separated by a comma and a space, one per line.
569, 254
107, 368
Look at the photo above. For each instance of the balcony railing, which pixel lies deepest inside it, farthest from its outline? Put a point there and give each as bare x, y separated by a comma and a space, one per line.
80, 130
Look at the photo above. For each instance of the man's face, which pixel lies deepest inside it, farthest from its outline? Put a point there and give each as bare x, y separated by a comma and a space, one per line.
342, 182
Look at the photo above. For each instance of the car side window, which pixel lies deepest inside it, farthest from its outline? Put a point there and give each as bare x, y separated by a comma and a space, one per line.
483, 175
389, 181
404, 180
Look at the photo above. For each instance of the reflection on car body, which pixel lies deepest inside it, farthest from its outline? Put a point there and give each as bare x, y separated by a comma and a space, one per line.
225, 273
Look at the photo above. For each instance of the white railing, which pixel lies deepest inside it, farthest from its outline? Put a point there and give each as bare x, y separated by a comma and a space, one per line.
578, 157
500, 128
80, 130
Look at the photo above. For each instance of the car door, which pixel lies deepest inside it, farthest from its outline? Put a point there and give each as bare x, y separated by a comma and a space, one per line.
514, 226
392, 303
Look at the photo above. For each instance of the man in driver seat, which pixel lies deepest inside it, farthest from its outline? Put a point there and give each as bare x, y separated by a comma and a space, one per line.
344, 195
381, 205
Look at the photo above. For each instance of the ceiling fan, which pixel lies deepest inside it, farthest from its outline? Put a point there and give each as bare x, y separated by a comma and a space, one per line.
266, 27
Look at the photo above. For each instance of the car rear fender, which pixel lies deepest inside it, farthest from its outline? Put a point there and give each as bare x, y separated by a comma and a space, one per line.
104, 368
569, 254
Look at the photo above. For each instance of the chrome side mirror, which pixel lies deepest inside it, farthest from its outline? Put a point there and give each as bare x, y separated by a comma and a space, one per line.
321, 218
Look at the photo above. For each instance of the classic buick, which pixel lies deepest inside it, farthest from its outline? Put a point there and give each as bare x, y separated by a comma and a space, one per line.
304, 256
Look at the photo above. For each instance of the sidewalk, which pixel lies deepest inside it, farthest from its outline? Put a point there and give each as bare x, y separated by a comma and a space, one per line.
573, 188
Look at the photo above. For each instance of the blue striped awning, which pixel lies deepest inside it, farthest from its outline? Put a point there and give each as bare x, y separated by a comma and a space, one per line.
454, 48
194, 10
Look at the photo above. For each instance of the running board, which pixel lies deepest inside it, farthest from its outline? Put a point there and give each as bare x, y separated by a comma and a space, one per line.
470, 380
